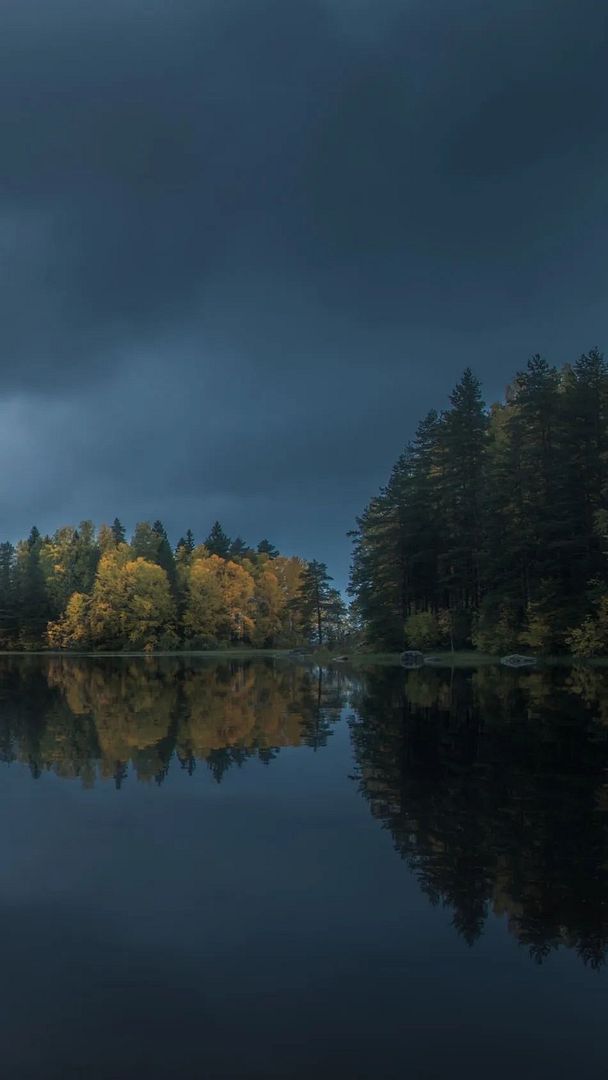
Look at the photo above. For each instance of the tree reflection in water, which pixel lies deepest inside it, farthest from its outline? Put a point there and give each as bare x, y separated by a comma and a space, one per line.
100, 719
492, 783
493, 786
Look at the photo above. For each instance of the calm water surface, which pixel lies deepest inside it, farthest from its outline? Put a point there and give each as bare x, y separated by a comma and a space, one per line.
263, 870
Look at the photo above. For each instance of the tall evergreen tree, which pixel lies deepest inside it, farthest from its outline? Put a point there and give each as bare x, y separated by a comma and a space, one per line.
266, 548
186, 542
238, 548
218, 542
8, 606
584, 486
381, 579
31, 593
164, 553
145, 541
316, 600
118, 531
462, 441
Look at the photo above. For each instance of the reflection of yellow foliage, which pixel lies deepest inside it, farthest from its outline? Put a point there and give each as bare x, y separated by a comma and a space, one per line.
591, 686
249, 708
131, 710
107, 714
426, 689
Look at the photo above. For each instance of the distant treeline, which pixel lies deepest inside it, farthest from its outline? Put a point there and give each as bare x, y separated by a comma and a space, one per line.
83, 588
493, 527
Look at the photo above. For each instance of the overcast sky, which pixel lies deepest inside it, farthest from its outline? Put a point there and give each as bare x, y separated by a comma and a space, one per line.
247, 244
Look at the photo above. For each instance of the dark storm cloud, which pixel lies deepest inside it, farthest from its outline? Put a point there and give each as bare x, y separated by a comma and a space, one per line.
245, 244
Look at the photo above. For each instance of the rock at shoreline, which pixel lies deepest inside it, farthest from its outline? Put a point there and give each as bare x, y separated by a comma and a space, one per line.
517, 660
412, 659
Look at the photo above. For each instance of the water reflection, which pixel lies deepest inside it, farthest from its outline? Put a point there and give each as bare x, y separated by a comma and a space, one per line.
86, 719
493, 783
494, 788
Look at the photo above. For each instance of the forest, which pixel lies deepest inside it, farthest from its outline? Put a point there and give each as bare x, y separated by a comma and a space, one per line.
492, 530
90, 589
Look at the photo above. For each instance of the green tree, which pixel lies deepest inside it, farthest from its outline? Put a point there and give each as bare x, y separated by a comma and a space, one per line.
218, 543
238, 548
32, 598
186, 542
118, 532
462, 441
266, 548
380, 573
164, 554
8, 598
315, 600
145, 542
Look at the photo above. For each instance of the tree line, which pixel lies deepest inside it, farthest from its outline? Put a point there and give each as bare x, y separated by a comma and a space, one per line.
85, 588
493, 527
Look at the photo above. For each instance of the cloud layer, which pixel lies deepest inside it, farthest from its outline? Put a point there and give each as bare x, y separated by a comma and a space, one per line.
245, 245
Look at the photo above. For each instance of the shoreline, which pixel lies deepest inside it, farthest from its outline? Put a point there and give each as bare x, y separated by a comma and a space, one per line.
441, 660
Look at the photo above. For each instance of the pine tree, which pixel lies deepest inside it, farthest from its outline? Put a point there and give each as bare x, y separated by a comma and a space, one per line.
85, 558
33, 606
186, 542
462, 441
118, 531
8, 609
164, 554
145, 542
423, 516
238, 548
584, 391
315, 600
218, 543
380, 578
266, 548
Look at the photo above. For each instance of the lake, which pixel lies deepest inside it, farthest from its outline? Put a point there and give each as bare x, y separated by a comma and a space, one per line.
257, 869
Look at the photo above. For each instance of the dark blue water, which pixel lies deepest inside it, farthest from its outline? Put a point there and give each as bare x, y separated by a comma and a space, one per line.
269, 871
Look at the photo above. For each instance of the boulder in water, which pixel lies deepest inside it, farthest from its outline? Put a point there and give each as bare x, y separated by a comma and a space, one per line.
517, 660
412, 659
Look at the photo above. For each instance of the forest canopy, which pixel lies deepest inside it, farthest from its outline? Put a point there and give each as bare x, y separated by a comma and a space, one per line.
86, 588
493, 527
